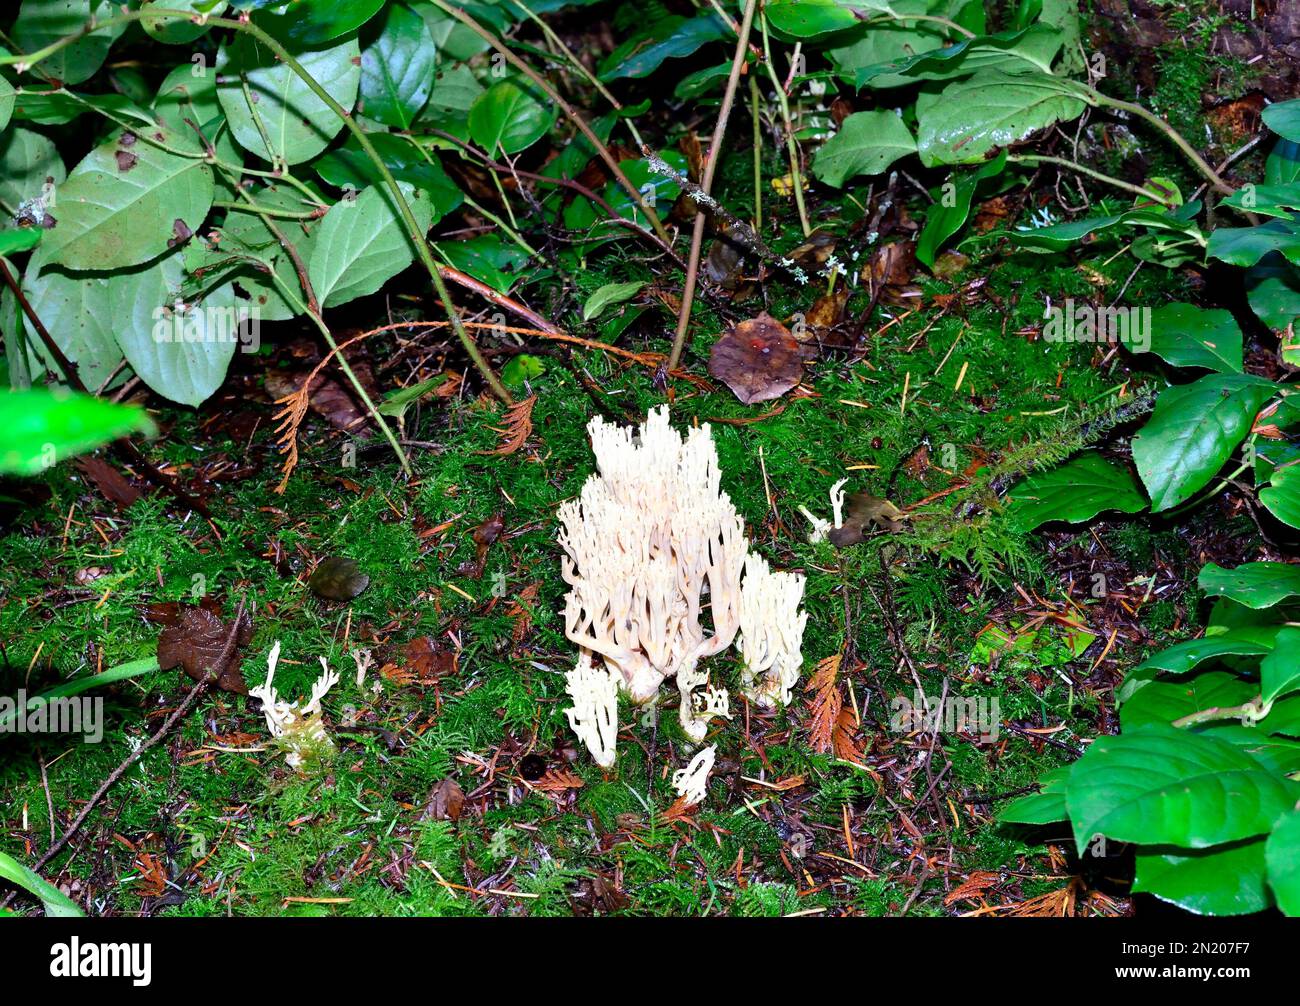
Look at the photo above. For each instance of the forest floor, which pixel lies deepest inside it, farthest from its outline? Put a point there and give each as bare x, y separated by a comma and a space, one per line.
457, 787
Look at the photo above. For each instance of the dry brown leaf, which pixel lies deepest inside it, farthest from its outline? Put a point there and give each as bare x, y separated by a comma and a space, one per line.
446, 800
758, 360
196, 644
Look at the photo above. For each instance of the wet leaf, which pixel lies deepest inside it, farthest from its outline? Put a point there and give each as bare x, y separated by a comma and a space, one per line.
195, 644
429, 660
446, 800
338, 578
758, 360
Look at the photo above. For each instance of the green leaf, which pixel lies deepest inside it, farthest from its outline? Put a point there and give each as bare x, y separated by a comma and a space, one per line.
396, 403
1282, 495
57, 904
1254, 584
19, 239
1273, 291
349, 166
1225, 880
971, 118
27, 159
312, 22
948, 215
1075, 491
1283, 117
53, 106
76, 312
487, 258
131, 669
1244, 246
128, 202
1282, 858
1279, 672
398, 69
182, 355
1047, 806
247, 240
1027, 51
520, 369
174, 30
866, 144
1267, 200
1183, 657
813, 18
363, 243
44, 22
44, 427
6, 102
671, 37
506, 118
1166, 701
1282, 166
610, 293
1161, 786
297, 122
1190, 336
1192, 433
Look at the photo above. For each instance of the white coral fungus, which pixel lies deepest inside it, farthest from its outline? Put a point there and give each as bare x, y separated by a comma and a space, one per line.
660, 578
297, 727
692, 782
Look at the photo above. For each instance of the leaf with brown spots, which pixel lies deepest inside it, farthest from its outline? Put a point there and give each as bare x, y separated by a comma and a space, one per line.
196, 645
518, 425
758, 360
826, 703
446, 800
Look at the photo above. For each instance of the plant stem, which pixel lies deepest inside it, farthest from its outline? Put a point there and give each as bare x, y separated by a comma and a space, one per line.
792, 146
754, 105
1151, 118
1118, 183
706, 184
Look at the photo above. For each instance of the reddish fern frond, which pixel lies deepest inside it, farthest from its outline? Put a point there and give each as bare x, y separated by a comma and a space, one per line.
518, 425
825, 704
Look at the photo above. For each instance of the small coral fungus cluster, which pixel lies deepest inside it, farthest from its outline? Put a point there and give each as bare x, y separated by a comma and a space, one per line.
661, 577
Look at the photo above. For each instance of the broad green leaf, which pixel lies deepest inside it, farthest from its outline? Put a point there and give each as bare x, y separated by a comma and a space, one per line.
1026, 51
6, 102
1282, 858
1161, 786
971, 118
507, 118
1192, 433
866, 144
610, 293
1166, 701
19, 239
671, 37
1254, 584
174, 30
44, 22
27, 160
1282, 166
1283, 117
521, 369
129, 201
1279, 672
297, 122
1244, 246
1224, 880
44, 427
1190, 336
487, 258
398, 69
1183, 657
1273, 291
453, 39
813, 18
54, 106
313, 22
1267, 200
1280, 755
1282, 495
181, 353
75, 309
348, 166
57, 904
948, 215
1047, 806
1075, 491
182, 95
363, 243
